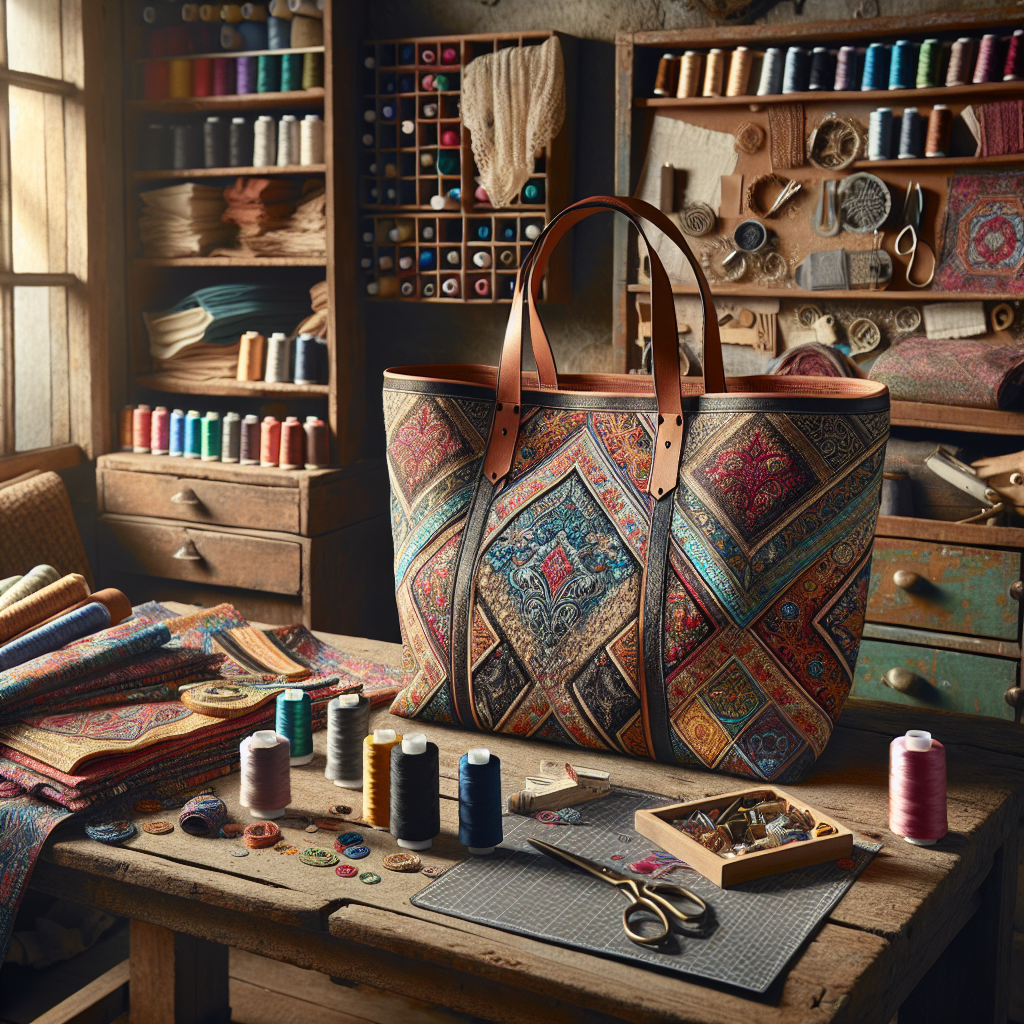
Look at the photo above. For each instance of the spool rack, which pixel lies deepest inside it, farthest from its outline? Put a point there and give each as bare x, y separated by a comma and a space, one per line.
400, 173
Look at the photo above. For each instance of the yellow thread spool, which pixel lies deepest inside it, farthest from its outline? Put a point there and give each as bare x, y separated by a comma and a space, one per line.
180, 74
739, 72
714, 73
231, 13
377, 776
689, 75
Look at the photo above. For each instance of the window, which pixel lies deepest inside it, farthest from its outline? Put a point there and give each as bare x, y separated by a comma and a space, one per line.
53, 374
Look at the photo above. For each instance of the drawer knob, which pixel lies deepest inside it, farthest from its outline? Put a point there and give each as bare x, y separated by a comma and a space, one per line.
902, 680
905, 579
1017, 590
187, 552
186, 496
1014, 696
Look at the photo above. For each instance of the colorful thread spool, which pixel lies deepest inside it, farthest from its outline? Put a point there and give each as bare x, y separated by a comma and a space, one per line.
929, 57
961, 61
876, 68
279, 33
985, 65
312, 70
482, 287
911, 143
245, 75
740, 65
142, 428
160, 431
291, 72
270, 441
822, 70
293, 445
450, 287
846, 69
249, 445
203, 815
251, 353
770, 82
231, 438
480, 801
179, 83
317, 444
268, 73
278, 368
917, 788
202, 76
903, 65
415, 813
797, 73
193, 435
714, 73
348, 722
211, 437
265, 787
940, 123
125, 428
176, 443
880, 134
689, 74
1013, 66
377, 749
223, 76
294, 721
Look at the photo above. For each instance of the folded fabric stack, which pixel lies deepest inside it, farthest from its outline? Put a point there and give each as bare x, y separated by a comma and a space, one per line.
183, 220
99, 720
255, 206
305, 233
317, 324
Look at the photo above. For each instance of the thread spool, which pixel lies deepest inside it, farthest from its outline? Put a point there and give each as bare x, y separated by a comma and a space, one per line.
532, 232
377, 749
176, 443
348, 722
772, 67
156, 80
215, 142
193, 435
1013, 66
714, 73
740, 64
231, 39
187, 148
270, 441
202, 76
279, 33
318, 454
245, 75
961, 62
278, 369
929, 57
985, 65
240, 143
231, 13
307, 359
482, 259
917, 788
265, 787
903, 65
910, 135
251, 353
846, 69
231, 438
249, 444
482, 287
294, 722
291, 72
940, 123
453, 258
415, 816
822, 75
211, 437
63, 630
124, 428
428, 259
160, 431
449, 55
667, 78
179, 79
203, 815
689, 74
876, 68
280, 9
311, 140
796, 76
288, 145
268, 73
293, 446
264, 146
307, 8
450, 287
142, 427
312, 70
880, 134
480, 801
223, 76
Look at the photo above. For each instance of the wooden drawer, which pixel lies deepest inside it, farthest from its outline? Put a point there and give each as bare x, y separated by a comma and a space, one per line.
200, 501
944, 587
251, 560
974, 684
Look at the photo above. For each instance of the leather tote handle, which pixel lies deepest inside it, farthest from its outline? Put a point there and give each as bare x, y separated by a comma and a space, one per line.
664, 337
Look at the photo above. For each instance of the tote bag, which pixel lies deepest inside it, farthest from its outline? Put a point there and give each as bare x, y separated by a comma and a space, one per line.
671, 568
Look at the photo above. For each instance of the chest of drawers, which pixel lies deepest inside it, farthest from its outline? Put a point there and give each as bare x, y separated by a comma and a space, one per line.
310, 546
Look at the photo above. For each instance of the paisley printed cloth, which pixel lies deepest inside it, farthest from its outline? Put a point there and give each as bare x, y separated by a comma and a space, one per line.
761, 595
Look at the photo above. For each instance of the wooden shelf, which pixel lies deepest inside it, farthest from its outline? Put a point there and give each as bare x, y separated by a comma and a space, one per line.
883, 97
242, 101
228, 387
955, 417
230, 172
235, 53
231, 261
763, 292
938, 161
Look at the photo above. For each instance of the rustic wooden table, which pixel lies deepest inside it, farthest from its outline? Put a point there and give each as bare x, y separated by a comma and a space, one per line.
925, 930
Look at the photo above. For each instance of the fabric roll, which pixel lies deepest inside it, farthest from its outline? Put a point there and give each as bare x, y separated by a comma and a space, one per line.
37, 607
35, 579
65, 629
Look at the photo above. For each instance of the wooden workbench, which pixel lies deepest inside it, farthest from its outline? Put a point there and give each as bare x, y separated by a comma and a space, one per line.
925, 928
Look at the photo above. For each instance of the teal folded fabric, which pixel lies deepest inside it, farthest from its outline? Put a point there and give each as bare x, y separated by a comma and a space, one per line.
237, 308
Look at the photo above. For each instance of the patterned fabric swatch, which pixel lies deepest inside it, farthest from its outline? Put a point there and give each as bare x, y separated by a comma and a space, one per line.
1002, 127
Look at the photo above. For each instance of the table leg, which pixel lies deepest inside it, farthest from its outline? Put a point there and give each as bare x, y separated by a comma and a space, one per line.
176, 978
971, 980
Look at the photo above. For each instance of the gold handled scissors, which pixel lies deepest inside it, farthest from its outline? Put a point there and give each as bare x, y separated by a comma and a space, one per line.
908, 241
648, 897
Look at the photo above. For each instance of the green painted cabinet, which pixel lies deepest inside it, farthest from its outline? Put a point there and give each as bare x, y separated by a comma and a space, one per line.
946, 680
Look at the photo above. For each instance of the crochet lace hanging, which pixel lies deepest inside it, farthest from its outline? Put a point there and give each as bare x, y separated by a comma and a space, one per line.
513, 103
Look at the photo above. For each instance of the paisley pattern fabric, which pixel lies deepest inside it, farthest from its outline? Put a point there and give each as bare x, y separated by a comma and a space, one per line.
760, 559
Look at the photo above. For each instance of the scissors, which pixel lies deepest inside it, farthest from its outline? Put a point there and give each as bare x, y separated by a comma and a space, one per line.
649, 897
908, 241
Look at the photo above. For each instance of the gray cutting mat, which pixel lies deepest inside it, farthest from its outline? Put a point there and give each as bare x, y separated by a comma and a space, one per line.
753, 932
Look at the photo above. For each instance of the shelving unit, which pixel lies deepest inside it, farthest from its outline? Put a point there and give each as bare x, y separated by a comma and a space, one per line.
418, 164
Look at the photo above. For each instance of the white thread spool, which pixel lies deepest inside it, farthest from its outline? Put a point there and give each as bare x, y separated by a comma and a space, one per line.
450, 287
482, 259
264, 142
278, 360
311, 140
265, 774
288, 145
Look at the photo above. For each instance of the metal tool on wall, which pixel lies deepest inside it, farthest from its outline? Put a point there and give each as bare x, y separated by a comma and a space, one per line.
909, 242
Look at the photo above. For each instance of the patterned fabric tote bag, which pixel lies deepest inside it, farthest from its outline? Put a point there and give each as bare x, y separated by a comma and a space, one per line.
672, 568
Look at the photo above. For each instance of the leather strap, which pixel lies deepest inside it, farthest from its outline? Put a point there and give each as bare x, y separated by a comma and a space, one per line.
508, 407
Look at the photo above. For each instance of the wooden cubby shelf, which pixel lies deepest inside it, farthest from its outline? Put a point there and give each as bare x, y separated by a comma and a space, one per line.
230, 172
851, 295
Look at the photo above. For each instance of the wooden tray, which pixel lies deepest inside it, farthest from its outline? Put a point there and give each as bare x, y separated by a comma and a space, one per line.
654, 824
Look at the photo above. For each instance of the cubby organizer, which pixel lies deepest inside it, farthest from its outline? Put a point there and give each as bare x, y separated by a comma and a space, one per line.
428, 231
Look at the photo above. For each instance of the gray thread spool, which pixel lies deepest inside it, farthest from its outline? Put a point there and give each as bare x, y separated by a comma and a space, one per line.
897, 495
348, 724
239, 142
266, 780
288, 141
910, 135
231, 438
279, 370
880, 134
770, 83
249, 448
215, 142
187, 147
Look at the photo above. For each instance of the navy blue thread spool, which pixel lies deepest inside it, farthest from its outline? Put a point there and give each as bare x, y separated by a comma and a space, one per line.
480, 801
307, 359
797, 74
876, 68
294, 721
910, 135
903, 65
846, 69
176, 447
415, 792
822, 70
770, 82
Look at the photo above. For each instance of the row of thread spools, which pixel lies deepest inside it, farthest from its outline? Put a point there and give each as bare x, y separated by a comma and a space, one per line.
902, 65
389, 55
279, 361
238, 142
233, 439
909, 136
399, 775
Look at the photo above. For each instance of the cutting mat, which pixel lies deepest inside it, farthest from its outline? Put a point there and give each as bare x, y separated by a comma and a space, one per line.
752, 930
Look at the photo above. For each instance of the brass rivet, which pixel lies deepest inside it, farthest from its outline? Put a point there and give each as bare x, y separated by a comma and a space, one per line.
668, 444
679, 421
503, 431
